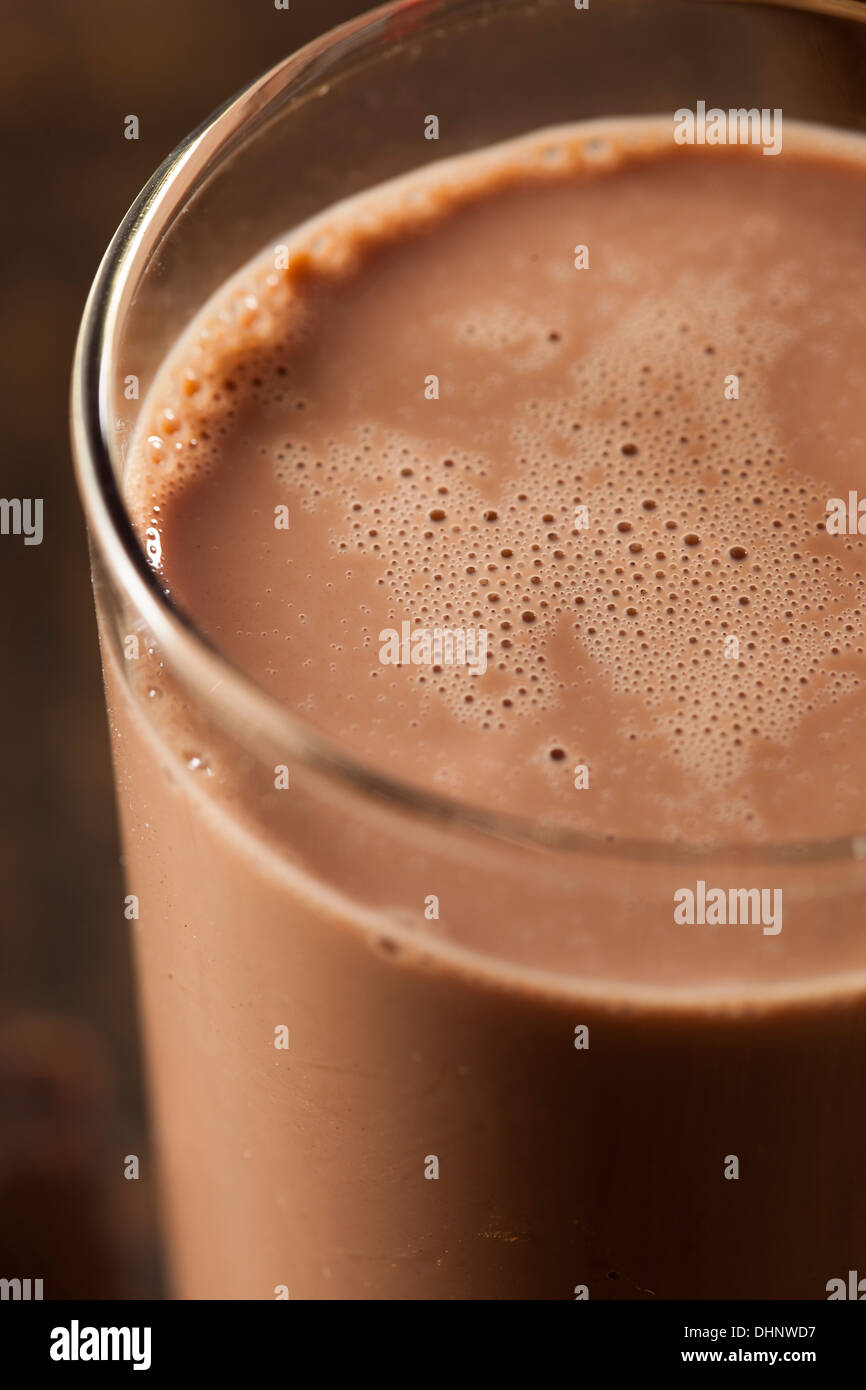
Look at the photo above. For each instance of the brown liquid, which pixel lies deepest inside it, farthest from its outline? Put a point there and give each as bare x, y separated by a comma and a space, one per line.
665, 611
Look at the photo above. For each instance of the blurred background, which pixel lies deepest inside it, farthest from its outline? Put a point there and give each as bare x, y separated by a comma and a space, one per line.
72, 1105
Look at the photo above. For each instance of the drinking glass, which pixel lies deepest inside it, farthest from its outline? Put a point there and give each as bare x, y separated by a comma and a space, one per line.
347, 1102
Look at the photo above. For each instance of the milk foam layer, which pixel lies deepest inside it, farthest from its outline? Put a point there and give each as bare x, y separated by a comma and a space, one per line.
623, 479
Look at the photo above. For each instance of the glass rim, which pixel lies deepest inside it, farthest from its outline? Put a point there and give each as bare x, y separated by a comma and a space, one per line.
207, 671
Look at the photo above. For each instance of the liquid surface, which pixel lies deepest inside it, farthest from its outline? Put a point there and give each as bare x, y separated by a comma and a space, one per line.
618, 469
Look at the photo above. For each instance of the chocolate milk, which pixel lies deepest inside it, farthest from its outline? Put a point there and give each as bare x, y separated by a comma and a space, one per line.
512, 480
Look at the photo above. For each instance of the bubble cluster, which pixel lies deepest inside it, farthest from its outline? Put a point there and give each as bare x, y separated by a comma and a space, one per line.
684, 565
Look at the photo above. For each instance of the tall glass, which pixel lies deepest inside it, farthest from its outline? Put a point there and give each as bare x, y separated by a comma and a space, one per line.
348, 1104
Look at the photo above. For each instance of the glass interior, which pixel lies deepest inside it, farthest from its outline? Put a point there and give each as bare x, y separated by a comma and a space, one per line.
343, 115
